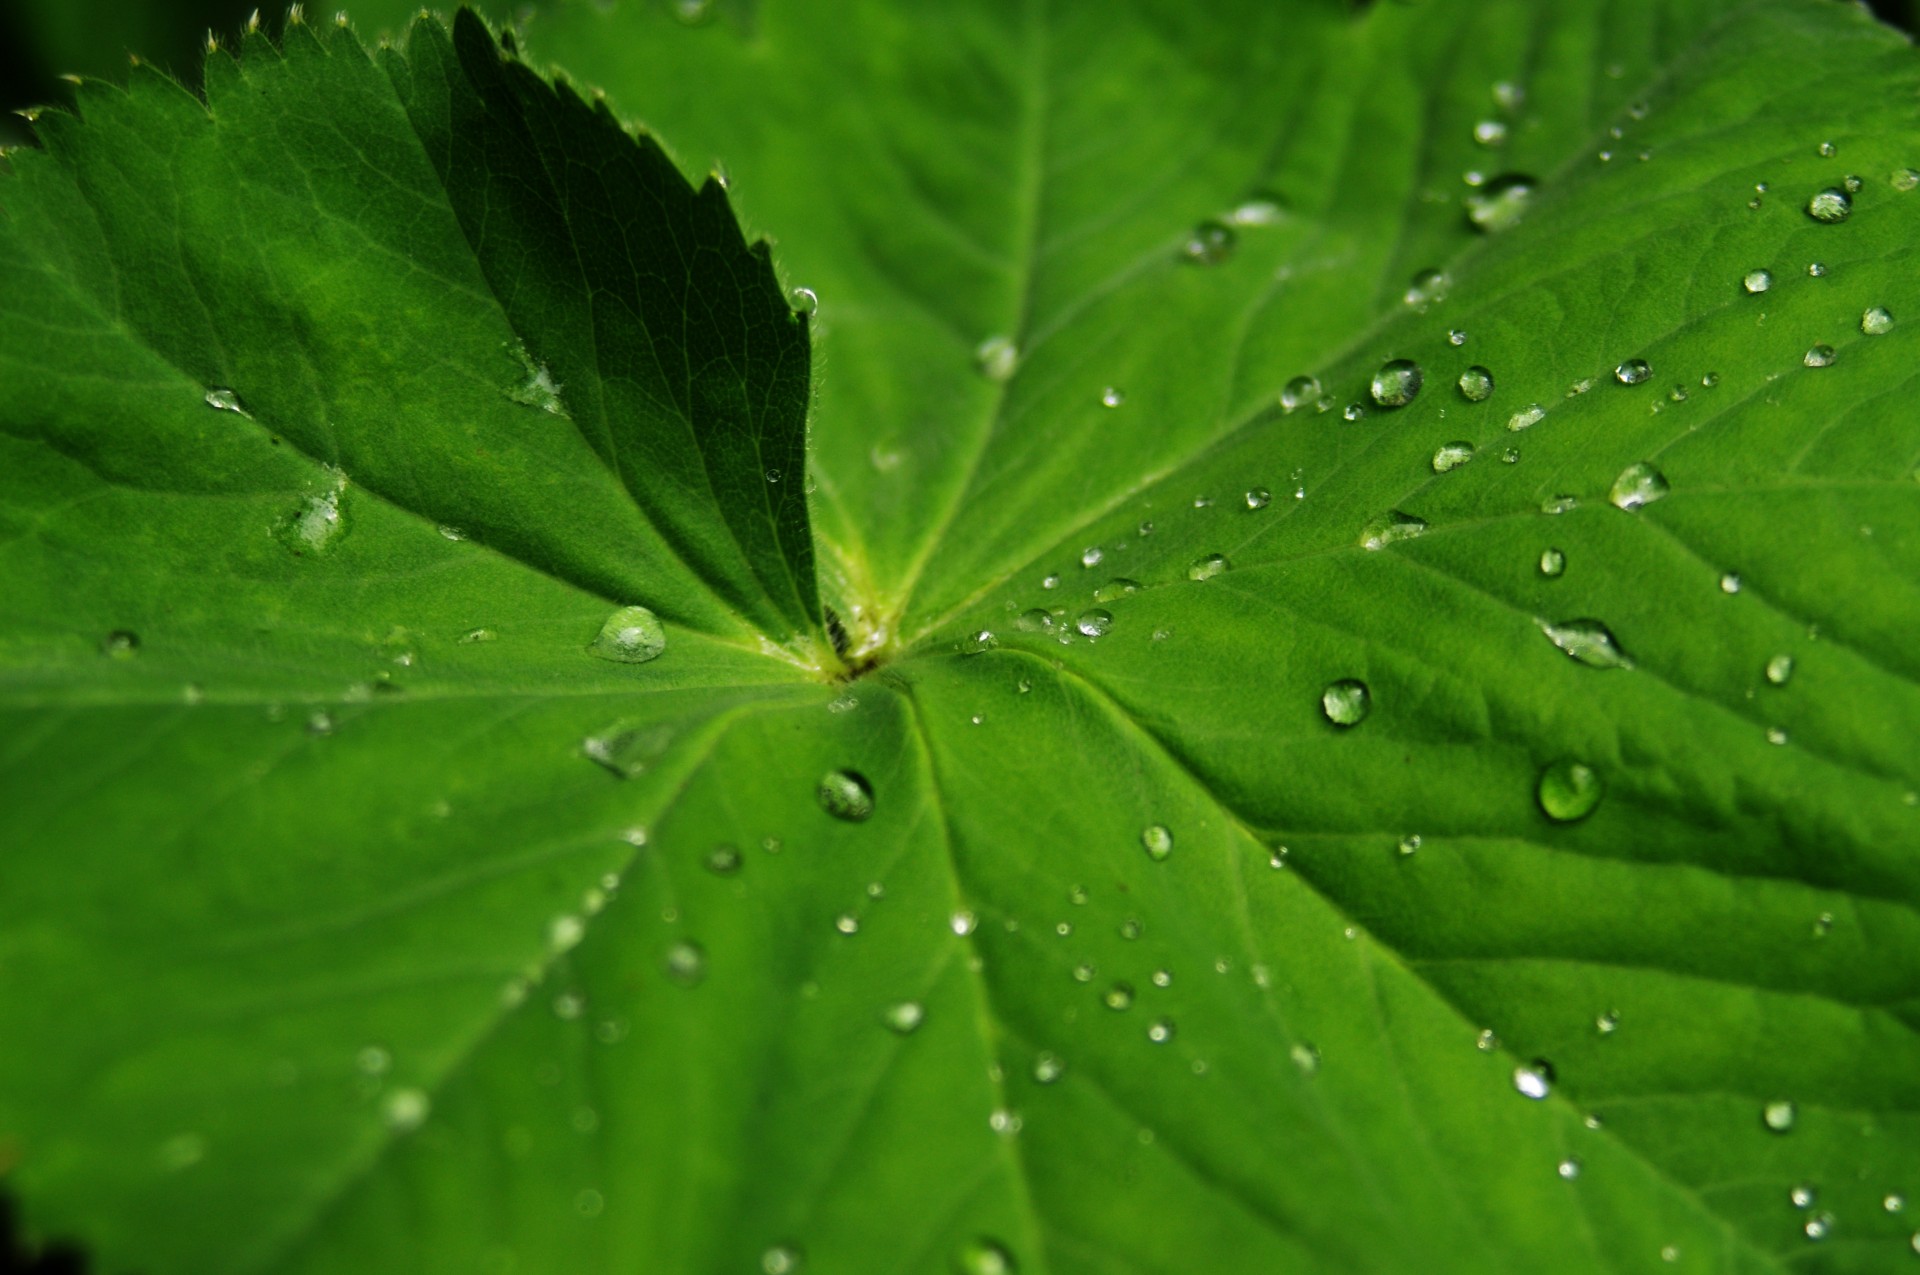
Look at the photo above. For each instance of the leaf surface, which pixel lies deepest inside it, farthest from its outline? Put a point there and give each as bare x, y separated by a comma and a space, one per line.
1156, 952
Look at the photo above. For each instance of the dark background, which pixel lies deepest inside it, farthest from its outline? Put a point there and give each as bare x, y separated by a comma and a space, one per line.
93, 37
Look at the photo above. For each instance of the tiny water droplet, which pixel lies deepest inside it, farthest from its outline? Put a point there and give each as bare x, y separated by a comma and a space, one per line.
1397, 383
631, 635
1048, 1068
1588, 641
807, 301
1158, 842
686, 963
983, 1256
1776, 736
1553, 563
1633, 372
1500, 203
723, 860
1450, 456
1209, 244
1427, 288
847, 923
1527, 417
1391, 528
1817, 269
1819, 1226
1209, 566
1118, 997
1535, 1079
1730, 582
1802, 1195
319, 521
1831, 206
1091, 556
1299, 392
1353, 412
1569, 1168
1306, 1057
904, 1017
565, 931
1876, 321
1778, 1116
1819, 356
1638, 485
846, 795
1757, 281
1112, 397
1160, 1030
1346, 702
997, 358
1490, 133
1486, 1042
1894, 1203
1568, 790
1607, 1023
1476, 384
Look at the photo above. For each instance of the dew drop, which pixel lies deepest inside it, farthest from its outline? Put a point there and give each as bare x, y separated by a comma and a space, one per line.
1346, 702
1409, 846
1778, 1116
1206, 568
405, 1109
1535, 1079
1456, 337
565, 931
1160, 1031
1476, 384
1633, 372
1306, 1057
1500, 203
1587, 641
723, 860
1391, 528
1876, 321
1353, 412
1112, 397
1831, 206
781, 1259
631, 635
1569, 1168
1397, 383
1451, 456
847, 923
121, 644
319, 521
686, 963
1490, 133
1427, 288
1638, 485
1091, 556
904, 1017
983, 1256
1568, 790
1486, 1042
1299, 392
1819, 1226
1894, 1203
1095, 622
1607, 1023
224, 400
997, 358
1906, 179
1157, 841
1819, 356
1048, 1068
1527, 417
1209, 244
1259, 498
1118, 997
1816, 270
846, 794
806, 301
1757, 281
1553, 563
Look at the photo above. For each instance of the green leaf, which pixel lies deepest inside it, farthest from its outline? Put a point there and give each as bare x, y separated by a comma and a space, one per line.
1461, 837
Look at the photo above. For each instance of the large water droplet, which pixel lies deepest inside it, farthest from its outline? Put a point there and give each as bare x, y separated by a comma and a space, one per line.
1397, 383
1757, 281
1450, 456
1490, 133
631, 635
1633, 372
1831, 205
628, 748
1476, 384
1346, 702
806, 301
1501, 203
904, 1017
997, 358
1095, 622
1206, 568
1118, 587
846, 794
1158, 842
1588, 641
983, 1256
1209, 244
1299, 392
1876, 321
1553, 563
1527, 417
1819, 356
224, 400
1391, 528
1569, 790
1638, 485
1778, 1116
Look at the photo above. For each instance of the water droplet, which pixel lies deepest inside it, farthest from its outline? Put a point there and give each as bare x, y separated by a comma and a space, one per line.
1527, 417
1831, 205
121, 644
1160, 1031
1451, 456
1894, 1203
1508, 96
1553, 563
1306, 1057
781, 1259
474, 636
1490, 133
1633, 372
1084, 972
1779, 1115
1158, 842
1346, 702
1827, 149
1906, 179
1048, 1068
1501, 203
1776, 736
1559, 504
373, 1060
538, 389
1397, 383
1353, 412
1427, 287
1876, 321
1569, 1168
1819, 1226
1258, 498
1091, 556
1638, 485
1607, 1022
1486, 1042
1535, 1079
318, 522
1259, 211
1569, 790
320, 722
565, 931
983, 1256
1111, 397
1409, 846
1819, 356
1757, 281
1391, 528
1209, 244
405, 1109
723, 860
1816, 269
997, 358
1456, 337
1206, 568
847, 923
1095, 622
1802, 1195
846, 794
224, 400
1588, 641
806, 301
631, 635
1118, 997
1298, 392
1670, 1253
903, 1018
1476, 384
686, 963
